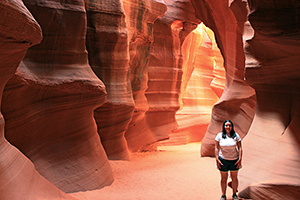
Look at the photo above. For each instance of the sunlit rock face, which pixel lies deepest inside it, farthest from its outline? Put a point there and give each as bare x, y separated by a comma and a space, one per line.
19, 179
203, 81
272, 146
140, 16
108, 48
48, 104
238, 99
165, 67
202, 69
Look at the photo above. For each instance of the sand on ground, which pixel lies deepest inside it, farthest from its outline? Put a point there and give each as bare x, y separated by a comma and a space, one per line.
170, 173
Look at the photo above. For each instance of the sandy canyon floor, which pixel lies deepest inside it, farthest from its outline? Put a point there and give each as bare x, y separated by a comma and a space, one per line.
170, 173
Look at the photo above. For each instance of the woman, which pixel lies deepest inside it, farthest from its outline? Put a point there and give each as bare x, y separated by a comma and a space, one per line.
228, 151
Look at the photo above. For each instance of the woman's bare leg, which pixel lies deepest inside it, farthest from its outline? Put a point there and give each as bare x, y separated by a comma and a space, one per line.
224, 177
235, 181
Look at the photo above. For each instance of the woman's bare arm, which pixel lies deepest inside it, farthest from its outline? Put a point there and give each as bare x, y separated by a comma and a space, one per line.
217, 148
240, 149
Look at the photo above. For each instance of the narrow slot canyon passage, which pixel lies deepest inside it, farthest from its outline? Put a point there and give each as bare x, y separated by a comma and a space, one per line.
203, 82
123, 99
175, 170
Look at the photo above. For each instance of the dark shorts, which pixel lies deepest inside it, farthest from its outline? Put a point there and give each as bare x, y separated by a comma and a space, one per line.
228, 165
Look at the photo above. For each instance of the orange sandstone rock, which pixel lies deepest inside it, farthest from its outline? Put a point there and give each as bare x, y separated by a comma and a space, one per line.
49, 102
238, 99
140, 16
272, 146
19, 179
203, 83
108, 47
165, 67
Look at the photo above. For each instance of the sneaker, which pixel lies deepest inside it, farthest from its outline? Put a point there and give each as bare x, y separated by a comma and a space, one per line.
223, 197
235, 197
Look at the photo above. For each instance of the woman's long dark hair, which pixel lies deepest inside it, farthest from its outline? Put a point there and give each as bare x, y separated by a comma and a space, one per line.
232, 132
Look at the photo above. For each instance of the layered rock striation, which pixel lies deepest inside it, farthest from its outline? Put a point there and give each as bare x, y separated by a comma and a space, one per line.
203, 81
166, 67
108, 48
238, 99
48, 104
272, 60
140, 17
273, 141
19, 178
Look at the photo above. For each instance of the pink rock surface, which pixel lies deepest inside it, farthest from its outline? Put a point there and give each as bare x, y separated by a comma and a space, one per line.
140, 16
49, 103
272, 145
203, 82
108, 47
19, 179
238, 99
271, 164
165, 67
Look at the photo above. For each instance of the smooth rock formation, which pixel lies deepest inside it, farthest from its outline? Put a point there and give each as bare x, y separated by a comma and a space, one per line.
272, 70
238, 99
165, 67
48, 104
272, 146
19, 179
203, 81
140, 16
108, 48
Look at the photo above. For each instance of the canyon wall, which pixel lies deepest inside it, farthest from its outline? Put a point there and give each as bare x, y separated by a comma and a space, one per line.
108, 51
58, 111
272, 146
140, 19
238, 99
165, 68
19, 178
203, 81
48, 104
104, 81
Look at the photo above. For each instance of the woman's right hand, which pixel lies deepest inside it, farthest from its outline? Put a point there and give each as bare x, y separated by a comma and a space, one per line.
219, 163
217, 147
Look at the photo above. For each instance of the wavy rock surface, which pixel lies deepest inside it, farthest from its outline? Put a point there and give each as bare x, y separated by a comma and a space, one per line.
49, 103
238, 99
203, 81
19, 179
140, 16
108, 47
272, 146
165, 67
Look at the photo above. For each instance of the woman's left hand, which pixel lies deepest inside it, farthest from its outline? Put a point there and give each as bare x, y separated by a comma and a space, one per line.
239, 163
